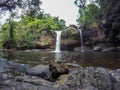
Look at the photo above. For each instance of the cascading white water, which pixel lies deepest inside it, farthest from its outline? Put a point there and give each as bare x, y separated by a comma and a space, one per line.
58, 41
82, 48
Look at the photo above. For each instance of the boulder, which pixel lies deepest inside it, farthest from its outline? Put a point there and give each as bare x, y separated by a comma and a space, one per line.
82, 78
45, 39
90, 77
40, 71
70, 39
110, 49
1, 77
9, 66
116, 74
77, 49
57, 69
15, 85
97, 48
118, 47
116, 79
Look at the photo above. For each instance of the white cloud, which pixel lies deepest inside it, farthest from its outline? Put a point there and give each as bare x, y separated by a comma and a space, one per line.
65, 9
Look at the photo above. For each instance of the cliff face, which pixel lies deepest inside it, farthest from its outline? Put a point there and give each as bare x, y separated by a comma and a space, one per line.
111, 20
69, 40
45, 39
108, 30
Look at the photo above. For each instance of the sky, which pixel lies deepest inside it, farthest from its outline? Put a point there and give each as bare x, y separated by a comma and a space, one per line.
64, 9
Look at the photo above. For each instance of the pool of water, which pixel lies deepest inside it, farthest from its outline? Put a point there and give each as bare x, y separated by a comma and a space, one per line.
109, 60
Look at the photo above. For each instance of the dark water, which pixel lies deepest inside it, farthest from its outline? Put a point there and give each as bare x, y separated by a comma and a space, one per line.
109, 60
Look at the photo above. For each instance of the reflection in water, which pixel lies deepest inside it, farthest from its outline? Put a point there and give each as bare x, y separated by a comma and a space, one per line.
58, 56
82, 58
98, 59
9, 54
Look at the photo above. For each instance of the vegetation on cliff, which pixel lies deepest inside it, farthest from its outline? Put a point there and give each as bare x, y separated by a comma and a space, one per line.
100, 15
103, 15
24, 33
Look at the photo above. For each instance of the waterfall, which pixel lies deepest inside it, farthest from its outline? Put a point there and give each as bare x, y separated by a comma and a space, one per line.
81, 39
58, 39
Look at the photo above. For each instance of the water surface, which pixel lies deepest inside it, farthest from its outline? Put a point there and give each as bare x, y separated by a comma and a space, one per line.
109, 60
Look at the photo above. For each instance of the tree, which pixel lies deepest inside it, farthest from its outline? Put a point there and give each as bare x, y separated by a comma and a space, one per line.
111, 19
27, 7
31, 7
89, 16
8, 4
25, 31
101, 14
88, 12
8, 31
60, 23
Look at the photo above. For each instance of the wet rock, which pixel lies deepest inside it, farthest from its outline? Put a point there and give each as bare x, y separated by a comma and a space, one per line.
88, 49
61, 80
5, 79
30, 83
32, 79
81, 78
40, 71
91, 88
116, 74
45, 39
70, 40
1, 77
6, 76
5, 65
10, 66
27, 86
2, 69
97, 78
86, 88
21, 68
77, 49
118, 47
102, 79
116, 79
97, 48
110, 49
57, 69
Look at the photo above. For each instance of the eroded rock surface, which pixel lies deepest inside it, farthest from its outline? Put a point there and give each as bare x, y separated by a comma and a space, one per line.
81, 78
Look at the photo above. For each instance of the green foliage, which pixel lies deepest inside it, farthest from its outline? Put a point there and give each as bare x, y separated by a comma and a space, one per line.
7, 31
4, 32
89, 16
53, 23
26, 30
59, 23
33, 6
101, 14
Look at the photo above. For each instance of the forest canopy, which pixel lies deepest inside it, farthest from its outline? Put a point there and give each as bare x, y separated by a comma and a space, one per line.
100, 14
33, 20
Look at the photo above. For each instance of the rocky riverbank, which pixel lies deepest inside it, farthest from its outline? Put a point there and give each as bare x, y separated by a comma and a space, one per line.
15, 76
